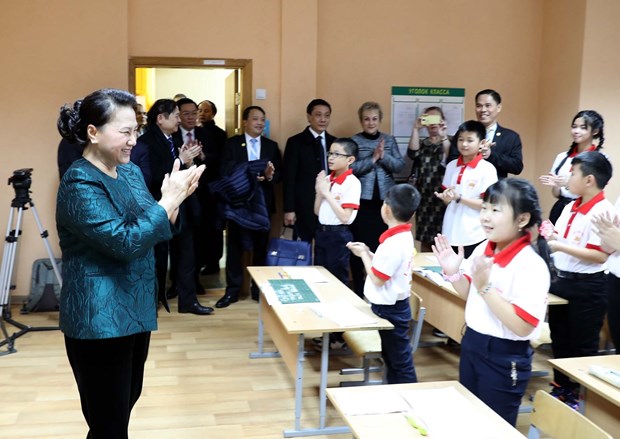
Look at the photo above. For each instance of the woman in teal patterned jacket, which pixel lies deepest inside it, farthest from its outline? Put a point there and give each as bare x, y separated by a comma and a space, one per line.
108, 223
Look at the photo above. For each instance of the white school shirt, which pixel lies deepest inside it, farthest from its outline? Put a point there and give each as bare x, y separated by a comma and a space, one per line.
393, 262
565, 169
521, 276
347, 190
574, 227
613, 262
461, 224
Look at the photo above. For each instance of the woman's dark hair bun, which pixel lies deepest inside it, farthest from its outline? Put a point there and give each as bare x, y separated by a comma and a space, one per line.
69, 125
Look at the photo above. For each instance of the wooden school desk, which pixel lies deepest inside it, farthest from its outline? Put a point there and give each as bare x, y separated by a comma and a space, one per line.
482, 422
288, 324
445, 309
601, 400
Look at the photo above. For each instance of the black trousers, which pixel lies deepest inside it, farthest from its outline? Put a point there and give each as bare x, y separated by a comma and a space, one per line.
109, 374
367, 228
208, 238
496, 370
613, 309
330, 251
575, 327
183, 266
238, 240
395, 343
161, 251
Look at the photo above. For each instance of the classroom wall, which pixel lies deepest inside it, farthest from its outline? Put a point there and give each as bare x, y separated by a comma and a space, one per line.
345, 51
52, 53
600, 87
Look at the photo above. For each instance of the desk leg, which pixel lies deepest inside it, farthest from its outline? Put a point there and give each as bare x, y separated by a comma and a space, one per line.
261, 335
322, 430
323, 385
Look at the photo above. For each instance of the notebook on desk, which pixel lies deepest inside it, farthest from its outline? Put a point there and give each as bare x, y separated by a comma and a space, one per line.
607, 374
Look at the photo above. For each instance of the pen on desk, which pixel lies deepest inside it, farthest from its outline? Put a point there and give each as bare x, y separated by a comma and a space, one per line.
417, 423
280, 275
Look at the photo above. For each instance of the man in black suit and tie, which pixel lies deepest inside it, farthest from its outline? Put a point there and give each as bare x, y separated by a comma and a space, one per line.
154, 153
503, 150
304, 157
246, 147
208, 239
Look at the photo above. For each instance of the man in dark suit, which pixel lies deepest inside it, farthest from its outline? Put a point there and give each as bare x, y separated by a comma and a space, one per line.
503, 149
304, 157
246, 147
154, 153
206, 113
208, 239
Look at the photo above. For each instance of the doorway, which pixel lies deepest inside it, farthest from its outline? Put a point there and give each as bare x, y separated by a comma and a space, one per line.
225, 82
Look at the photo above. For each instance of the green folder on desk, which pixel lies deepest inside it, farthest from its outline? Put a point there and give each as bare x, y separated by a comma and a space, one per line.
290, 291
435, 268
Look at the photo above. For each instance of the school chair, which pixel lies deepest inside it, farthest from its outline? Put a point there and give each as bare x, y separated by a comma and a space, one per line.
556, 420
367, 345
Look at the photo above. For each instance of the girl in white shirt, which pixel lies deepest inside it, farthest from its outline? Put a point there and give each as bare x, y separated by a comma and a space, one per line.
587, 130
505, 281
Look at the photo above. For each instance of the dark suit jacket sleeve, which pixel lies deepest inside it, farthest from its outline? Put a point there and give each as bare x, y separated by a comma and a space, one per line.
141, 157
509, 156
229, 155
276, 159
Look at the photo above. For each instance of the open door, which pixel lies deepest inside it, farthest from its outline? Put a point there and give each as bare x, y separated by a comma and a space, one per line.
144, 79
233, 103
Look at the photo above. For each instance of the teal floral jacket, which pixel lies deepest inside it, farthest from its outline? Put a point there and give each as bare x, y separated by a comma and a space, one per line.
107, 229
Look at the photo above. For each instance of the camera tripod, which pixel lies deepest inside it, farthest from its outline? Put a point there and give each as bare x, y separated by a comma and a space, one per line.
21, 183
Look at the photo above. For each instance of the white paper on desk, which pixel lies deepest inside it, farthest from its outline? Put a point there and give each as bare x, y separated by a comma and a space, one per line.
433, 405
309, 274
385, 401
269, 293
343, 314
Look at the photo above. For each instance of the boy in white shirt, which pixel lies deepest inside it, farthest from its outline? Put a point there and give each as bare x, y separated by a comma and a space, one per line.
336, 204
579, 259
388, 282
464, 183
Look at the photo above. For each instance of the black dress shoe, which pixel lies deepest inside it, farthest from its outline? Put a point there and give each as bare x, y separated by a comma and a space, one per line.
196, 308
226, 300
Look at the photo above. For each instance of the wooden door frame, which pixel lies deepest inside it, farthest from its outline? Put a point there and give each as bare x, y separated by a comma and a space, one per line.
244, 65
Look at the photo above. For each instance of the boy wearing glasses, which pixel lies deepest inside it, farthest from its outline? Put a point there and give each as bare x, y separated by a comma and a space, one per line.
336, 204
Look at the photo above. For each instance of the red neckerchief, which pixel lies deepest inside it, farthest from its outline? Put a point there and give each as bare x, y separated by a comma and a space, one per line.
401, 228
341, 178
575, 152
471, 164
583, 209
504, 257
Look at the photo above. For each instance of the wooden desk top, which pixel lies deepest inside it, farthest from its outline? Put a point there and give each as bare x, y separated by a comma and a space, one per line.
577, 369
394, 425
426, 259
300, 318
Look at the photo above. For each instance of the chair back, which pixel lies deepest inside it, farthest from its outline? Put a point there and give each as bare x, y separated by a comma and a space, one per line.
558, 421
417, 319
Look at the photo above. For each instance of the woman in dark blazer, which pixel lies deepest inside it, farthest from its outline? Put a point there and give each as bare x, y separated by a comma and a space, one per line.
108, 223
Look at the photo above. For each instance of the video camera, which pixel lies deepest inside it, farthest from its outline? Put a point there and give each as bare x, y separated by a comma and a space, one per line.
21, 181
